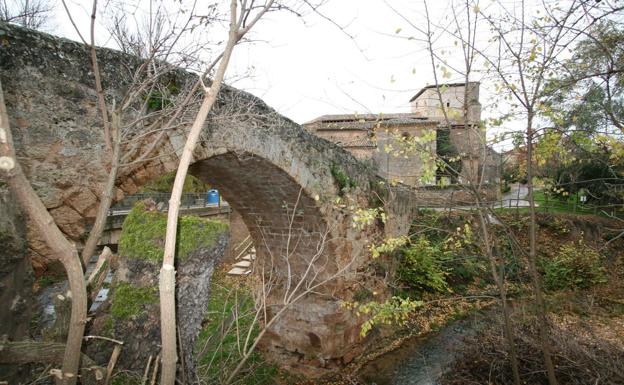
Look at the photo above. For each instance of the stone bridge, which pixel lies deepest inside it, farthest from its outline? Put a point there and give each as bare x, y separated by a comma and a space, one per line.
283, 180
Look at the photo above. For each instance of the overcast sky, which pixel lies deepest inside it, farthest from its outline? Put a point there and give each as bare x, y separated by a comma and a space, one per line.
310, 67
307, 67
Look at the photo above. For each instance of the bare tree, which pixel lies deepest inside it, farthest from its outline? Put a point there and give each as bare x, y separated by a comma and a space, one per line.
527, 50
33, 14
241, 21
468, 35
275, 294
148, 109
525, 53
280, 280
128, 124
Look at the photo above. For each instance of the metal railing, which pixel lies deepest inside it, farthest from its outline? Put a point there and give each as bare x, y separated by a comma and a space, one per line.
187, 200
542, 206
555, 205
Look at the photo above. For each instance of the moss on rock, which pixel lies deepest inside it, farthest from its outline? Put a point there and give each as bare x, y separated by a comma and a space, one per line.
125, 378
143, 234
130, 300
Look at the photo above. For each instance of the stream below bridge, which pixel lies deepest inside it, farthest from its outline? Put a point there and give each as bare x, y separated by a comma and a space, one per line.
423, 360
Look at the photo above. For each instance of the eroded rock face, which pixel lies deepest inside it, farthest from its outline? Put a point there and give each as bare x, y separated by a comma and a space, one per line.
16, 277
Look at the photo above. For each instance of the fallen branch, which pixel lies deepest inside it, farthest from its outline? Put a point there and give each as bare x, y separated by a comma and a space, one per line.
112, 362
147, 370
118, 342
155, 372
25, 352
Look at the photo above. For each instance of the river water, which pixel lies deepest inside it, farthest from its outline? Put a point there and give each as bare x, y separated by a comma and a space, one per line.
422, 360
46, 297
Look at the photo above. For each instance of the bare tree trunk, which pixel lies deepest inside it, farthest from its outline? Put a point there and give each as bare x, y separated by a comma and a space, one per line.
107, 193
98, 81
98, 275
500, 283
167, 323
167, 273
61, 248
537, 287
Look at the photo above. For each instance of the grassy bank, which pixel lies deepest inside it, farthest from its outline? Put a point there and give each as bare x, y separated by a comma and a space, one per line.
229, 328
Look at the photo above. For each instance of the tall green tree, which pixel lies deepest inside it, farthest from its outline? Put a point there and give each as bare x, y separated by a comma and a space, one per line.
584, 148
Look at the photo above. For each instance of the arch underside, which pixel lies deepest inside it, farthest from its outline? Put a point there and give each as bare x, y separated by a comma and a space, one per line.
284, 221
291, 237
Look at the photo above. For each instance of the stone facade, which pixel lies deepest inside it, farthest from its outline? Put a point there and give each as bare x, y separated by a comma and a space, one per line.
408, 168
276, 174
479, 163
426, 103
376, 138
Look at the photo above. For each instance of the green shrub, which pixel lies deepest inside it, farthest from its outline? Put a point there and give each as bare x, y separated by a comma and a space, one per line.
465, 269
393, 311
557, 225
160, 99
514, 268
342, 180
421, 267
575, 266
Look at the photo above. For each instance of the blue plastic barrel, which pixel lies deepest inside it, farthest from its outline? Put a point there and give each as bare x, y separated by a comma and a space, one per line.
213, 197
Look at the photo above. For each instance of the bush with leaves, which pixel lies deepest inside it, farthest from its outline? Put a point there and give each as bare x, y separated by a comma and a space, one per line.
394, 311
576, 265
422, 267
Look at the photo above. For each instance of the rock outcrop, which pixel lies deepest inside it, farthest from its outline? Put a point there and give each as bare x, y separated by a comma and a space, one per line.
133, 315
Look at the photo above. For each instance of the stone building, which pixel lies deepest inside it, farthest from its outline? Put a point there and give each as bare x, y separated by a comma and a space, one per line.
401, 146
379, 139
426, 103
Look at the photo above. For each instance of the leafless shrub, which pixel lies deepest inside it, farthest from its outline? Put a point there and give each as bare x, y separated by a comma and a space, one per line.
580, 354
